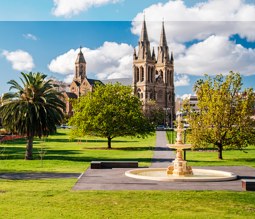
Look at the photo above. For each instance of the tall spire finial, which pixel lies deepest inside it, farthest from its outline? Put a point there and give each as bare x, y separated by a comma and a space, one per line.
80, 48
163, 41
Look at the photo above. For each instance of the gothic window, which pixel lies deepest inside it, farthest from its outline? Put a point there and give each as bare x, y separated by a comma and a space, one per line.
171, 78
160, 94
168, 77
142, 73
149, 73
139, 93
152, 70
137, 74
161, 73
141, 96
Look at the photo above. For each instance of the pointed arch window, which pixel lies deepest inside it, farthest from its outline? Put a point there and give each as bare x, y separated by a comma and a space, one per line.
137, 74
142, 74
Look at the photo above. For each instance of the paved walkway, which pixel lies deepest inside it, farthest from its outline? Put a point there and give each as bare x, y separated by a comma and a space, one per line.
163, 156
115, 179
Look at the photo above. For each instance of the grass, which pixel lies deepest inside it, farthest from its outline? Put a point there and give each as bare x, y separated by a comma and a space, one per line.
53, 198
65, 155
209, 157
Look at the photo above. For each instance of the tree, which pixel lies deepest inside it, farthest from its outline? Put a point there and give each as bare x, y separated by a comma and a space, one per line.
154, 113
224, 116
110, 111
34, 109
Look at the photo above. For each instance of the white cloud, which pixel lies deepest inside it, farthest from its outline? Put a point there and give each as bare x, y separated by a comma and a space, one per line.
181, 80
30, 36
216, 54
199, 35
109, 61
20, 60
69, 8
184, 23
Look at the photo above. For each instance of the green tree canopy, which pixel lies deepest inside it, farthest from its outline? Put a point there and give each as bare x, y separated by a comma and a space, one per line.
224, 116
110, 111
34, 109
154, 113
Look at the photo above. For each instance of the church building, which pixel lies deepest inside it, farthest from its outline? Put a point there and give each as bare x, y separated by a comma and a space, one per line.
153, 77
80, 85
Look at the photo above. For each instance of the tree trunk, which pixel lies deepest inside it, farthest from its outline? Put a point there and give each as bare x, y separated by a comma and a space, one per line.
29, 148
109, 143
220, 151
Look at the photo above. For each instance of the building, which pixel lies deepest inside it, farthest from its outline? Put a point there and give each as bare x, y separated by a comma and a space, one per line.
153, 77
191, 99
80, 84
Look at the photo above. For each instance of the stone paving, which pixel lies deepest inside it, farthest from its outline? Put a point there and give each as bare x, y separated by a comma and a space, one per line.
115, 179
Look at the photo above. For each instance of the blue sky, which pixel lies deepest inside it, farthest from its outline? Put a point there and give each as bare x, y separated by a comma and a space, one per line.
205, 36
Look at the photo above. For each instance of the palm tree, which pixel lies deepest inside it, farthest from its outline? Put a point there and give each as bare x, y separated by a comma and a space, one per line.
34, 109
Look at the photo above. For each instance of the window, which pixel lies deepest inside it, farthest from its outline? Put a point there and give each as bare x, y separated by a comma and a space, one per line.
142, 72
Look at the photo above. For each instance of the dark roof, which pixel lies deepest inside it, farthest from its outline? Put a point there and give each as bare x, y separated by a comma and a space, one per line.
93, 81
123, 81
77, 83
80, 58
71, 95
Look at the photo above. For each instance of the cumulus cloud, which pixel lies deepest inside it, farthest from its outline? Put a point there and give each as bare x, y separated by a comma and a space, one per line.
20, 60
185, 23
181, 80
30, 36
216, 54
200, 35
69, 8
111, 60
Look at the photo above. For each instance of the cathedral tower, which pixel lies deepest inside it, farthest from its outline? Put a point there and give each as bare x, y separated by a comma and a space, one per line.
153, 78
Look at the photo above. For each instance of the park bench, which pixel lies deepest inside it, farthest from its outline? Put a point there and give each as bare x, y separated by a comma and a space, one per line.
113, 164
248, 184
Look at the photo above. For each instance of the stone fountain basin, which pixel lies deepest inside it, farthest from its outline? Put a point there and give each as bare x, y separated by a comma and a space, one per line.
179, 146
199, 175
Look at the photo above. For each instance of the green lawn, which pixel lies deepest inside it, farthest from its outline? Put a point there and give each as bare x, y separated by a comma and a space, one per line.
206, 157
53, 198
66, 155
46, 199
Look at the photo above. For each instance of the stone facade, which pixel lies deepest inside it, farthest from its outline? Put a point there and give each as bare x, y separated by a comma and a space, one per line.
80, 85
153, 77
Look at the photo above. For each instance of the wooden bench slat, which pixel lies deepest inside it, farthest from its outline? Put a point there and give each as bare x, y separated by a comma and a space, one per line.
113, 164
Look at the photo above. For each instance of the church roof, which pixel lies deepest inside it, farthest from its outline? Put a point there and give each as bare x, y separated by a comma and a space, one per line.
123, 81
71, 95
80, 58
94, 81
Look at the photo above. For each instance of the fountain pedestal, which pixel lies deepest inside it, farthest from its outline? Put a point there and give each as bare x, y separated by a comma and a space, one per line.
179, 166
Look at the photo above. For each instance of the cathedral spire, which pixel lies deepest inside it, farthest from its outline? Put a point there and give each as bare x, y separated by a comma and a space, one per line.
163, 41
163, 53
144, 43
144, 34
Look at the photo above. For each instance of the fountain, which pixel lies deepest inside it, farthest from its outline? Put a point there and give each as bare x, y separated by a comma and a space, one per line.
179, 170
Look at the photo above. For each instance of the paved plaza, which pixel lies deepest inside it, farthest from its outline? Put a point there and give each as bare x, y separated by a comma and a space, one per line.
115, 179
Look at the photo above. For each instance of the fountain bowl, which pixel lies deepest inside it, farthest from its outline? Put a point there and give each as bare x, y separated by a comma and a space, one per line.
199, 175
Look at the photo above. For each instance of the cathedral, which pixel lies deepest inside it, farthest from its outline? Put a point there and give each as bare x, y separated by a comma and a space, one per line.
153, 77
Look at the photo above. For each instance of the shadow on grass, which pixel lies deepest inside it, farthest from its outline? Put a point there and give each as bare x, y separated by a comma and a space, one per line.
149, 148
15, 153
